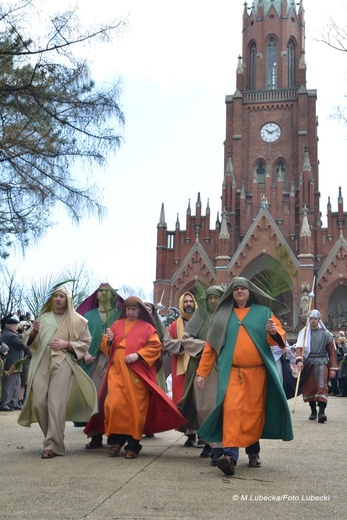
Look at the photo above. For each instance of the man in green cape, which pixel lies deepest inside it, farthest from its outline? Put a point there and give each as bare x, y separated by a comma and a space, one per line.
250, 401
101, 309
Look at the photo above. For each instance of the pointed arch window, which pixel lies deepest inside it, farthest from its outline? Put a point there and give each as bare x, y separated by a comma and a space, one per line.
253, 56
260, 170
271, 64
291, 63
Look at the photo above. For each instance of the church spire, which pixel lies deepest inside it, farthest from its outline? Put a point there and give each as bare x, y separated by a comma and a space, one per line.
245, 13
189, 208
198, 202
267, 4
162, 222
340, 199
177, 226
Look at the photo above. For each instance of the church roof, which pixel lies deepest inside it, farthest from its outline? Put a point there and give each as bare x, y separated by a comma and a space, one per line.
268, 3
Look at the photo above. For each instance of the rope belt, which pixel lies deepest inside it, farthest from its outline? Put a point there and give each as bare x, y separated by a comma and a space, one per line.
244, 366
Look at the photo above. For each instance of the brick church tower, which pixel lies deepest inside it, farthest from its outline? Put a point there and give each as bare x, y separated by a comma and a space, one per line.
270, 222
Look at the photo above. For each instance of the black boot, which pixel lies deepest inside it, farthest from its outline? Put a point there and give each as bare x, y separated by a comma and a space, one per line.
321, 414
342, 388
206, 452
190, 442
313, 415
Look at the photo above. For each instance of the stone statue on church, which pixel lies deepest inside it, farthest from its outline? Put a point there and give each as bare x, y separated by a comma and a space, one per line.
305, 299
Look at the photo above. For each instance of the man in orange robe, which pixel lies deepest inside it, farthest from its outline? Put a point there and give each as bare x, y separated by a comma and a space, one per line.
130, 401
250, 401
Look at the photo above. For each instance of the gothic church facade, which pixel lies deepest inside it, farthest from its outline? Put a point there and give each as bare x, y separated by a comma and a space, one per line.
270, 223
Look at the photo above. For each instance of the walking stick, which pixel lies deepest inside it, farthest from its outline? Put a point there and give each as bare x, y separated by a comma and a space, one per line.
311, 296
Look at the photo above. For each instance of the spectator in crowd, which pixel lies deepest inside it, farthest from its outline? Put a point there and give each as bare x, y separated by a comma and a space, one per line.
287, 369
341, 344
13, 365
333, 384
24, 329
3, 354
6, 317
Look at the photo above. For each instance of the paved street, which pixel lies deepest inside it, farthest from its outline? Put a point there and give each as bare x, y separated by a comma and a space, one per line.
302, 479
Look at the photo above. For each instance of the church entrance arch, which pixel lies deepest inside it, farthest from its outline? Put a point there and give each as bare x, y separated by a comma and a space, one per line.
269, 274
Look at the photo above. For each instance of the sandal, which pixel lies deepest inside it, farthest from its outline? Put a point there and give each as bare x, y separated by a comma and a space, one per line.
129, 454
48, 454
114, 450
96, 442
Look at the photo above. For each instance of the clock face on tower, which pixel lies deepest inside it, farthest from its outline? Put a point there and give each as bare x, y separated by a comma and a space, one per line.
270, 132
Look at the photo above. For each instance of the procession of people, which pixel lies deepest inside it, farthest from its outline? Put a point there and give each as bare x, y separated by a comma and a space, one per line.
98, 366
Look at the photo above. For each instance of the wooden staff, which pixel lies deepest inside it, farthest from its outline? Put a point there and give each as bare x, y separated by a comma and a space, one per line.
311, 296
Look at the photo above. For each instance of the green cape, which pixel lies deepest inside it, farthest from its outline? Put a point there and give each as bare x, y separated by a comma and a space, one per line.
278, 424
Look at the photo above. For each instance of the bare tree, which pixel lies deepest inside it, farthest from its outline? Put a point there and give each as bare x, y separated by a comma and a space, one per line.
77, 278
126, 290
334, 36
82, 283
37, 292
11, 293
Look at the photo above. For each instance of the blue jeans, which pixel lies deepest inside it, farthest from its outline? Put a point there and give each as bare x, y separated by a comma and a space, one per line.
234, 452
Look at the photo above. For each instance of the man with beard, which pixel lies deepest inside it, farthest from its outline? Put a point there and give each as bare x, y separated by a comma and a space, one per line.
101, 309
187, 306
196, 406
319, 364
58, 389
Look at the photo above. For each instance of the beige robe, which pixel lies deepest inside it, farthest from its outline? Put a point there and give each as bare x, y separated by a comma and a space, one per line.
58, 389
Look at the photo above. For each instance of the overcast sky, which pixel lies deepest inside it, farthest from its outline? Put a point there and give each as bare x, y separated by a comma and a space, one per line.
177, 62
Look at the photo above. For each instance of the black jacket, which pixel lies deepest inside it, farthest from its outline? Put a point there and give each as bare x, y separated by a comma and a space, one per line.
16, 348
